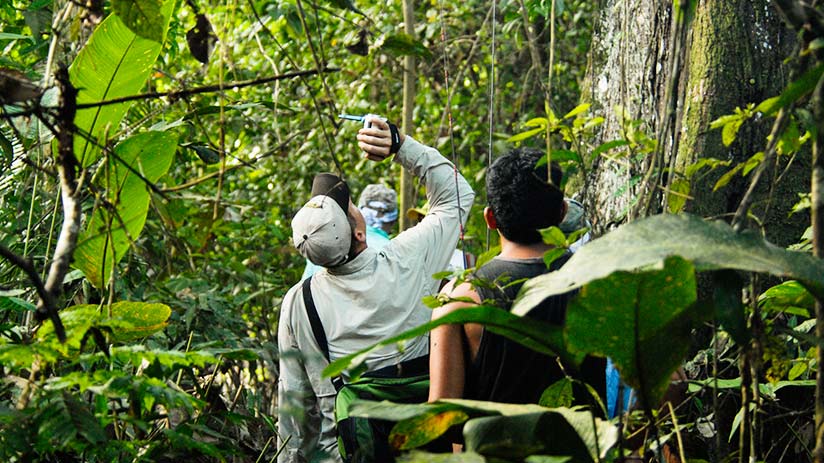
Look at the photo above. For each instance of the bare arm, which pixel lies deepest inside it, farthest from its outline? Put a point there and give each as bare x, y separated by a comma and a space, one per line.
447, 359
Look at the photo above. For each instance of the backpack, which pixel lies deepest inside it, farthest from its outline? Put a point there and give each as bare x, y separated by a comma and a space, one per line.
364, 440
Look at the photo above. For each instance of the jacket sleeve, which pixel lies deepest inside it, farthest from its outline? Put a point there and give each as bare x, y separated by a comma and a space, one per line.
306, 400
450, 199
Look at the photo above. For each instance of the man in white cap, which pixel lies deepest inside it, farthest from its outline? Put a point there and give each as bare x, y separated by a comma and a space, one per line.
379, 206
361, 296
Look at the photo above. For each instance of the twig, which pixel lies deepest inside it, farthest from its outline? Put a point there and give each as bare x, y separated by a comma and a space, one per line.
781, 121
205, 89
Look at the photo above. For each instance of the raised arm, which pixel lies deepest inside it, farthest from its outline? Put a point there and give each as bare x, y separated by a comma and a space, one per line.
449, 194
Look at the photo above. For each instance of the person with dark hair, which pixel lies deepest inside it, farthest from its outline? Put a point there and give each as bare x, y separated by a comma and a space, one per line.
360, 296
468, 361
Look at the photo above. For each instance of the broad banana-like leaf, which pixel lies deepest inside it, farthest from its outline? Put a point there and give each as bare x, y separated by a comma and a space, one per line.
646, 243
142, 158
114, 63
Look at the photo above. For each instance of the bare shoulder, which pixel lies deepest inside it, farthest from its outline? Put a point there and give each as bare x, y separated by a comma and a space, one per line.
463, 290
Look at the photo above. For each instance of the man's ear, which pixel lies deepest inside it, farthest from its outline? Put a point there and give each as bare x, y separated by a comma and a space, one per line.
359, 235
489, 218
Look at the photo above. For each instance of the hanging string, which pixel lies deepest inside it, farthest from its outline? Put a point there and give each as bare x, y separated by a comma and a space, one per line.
451, 138
491, 99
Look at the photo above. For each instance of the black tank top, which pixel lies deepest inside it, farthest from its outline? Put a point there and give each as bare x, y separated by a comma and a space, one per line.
505, 371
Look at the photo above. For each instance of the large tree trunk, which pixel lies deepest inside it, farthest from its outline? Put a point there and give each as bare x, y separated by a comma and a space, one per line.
676, 79
733, 55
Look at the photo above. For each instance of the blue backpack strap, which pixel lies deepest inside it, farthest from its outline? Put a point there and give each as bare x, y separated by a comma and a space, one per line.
317, 327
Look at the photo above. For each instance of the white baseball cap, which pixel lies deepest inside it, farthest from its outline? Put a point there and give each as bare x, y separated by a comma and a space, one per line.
320, 230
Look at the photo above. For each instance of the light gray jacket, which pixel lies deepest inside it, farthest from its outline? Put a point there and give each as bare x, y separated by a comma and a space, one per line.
373, 297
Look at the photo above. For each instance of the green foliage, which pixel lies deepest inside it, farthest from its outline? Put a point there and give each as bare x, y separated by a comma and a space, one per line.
642, 321
113, 64
136, 163
648, 242
145, 17
507, 431
788, 297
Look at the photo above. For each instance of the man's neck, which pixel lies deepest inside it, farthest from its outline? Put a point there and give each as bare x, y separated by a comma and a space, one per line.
512, 250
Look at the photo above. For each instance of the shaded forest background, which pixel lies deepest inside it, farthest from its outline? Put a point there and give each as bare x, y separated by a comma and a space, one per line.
179, 188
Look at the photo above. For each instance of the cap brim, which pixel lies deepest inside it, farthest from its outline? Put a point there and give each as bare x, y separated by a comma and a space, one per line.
333, 186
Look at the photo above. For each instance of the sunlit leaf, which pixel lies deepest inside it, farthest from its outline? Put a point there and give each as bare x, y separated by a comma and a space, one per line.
752, 163
678, 195
787, 295
524, 135
798, 369
114, 63
417, 431
727, 177
553, 236
583, 107
730, 131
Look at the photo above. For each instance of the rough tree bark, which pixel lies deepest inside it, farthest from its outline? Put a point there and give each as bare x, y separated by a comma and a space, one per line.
733, 56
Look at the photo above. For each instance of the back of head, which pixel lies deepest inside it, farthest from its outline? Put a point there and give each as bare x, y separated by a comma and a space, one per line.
379, 205
520, 196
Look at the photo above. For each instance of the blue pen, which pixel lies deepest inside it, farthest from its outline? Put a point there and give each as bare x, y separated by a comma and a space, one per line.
351, 117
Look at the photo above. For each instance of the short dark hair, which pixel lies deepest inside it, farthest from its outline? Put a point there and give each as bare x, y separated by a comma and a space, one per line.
520, 196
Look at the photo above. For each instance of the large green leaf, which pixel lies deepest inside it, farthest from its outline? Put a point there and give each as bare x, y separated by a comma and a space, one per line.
539, 336
114, 63
561, 432
124, 320
788, 297
505, 430
647, 242
642, 321
421, 430
108, 235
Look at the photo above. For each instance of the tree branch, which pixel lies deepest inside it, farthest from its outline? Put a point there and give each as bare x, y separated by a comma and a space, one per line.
206, 89
67, 166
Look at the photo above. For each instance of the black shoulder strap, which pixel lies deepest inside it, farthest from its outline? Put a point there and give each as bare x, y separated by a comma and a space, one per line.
317, 327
